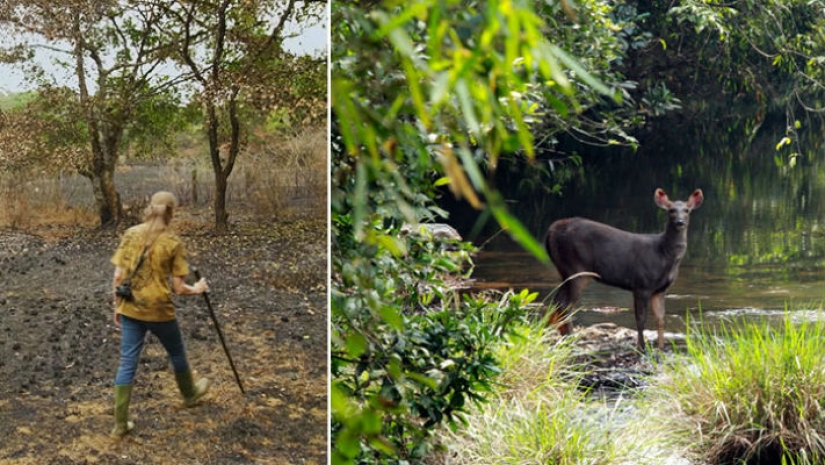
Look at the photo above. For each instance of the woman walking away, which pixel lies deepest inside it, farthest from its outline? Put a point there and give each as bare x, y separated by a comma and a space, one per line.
148, 254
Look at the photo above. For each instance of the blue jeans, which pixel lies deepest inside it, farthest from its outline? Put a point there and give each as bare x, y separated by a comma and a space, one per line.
132, 335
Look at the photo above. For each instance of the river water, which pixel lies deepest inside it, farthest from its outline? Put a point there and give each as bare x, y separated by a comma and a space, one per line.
756, 247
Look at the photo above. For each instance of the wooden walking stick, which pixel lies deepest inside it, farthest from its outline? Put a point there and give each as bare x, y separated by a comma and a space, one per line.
220, 333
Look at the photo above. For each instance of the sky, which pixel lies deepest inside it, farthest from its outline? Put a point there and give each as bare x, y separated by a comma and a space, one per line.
313, 41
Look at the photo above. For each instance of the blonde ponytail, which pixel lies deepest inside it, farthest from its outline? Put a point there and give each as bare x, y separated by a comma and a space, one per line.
157, 215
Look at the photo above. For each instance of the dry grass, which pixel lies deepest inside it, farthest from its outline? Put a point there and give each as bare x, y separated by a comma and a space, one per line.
291, 172
30, 202
272, 180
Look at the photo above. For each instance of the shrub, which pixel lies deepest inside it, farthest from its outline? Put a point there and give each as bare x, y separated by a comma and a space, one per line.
749, 393
409, 353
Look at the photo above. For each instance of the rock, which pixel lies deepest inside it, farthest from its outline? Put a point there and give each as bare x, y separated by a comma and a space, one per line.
439, 231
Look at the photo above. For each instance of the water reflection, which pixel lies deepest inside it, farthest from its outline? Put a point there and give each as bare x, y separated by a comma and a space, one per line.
701, 292
756, 246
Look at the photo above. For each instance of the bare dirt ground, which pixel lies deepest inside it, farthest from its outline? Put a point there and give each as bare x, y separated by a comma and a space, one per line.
59, 351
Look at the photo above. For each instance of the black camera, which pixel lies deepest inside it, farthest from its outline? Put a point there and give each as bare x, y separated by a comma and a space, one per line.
124, 291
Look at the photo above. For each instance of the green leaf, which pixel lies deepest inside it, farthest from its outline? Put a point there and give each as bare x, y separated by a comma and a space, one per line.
397, 21
425, 380
392, 316
402, 42
356, 344
382, 445
467, 107
372, 422
472, 169
360, 200
582, 73
340, 404
442, 181
414, 84
440, 88
394, 245
514, 227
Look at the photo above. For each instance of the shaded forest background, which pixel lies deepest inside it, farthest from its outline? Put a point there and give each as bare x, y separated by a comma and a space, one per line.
465, 96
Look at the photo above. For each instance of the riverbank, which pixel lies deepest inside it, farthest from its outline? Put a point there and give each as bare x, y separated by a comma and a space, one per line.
744, 392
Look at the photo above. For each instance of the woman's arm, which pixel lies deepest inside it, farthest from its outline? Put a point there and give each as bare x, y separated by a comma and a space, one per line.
116, 280
181, 288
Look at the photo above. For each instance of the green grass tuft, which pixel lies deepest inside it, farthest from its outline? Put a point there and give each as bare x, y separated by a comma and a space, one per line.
540, 415
748, 393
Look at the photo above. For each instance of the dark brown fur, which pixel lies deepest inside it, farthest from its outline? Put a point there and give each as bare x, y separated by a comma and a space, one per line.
645, 264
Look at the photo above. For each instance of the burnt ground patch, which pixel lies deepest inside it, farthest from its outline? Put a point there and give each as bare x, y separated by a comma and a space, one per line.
59, 351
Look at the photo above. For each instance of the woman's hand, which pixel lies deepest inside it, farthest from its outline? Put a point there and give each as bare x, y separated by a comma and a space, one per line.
200, 287
181, 288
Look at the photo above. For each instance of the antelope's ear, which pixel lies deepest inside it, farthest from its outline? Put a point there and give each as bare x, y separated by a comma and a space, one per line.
660, 197
695, 200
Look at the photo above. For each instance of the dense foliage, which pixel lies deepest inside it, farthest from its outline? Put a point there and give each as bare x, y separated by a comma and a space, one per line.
428, 94
735, 64
425, 94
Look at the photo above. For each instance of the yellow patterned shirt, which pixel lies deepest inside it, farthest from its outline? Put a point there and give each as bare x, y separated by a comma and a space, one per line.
150, 285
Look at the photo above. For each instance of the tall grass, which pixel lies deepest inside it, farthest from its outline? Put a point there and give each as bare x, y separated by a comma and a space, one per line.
292, 171
274, 176
37, 200
541, 416
748, 393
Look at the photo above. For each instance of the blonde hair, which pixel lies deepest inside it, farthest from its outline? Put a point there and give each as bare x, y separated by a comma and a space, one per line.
158, 214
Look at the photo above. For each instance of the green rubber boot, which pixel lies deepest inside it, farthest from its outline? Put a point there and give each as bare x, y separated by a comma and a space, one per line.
191, 391
123, 395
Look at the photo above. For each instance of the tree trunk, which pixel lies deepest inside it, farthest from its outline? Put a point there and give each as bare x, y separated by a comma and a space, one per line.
221, 215
107, 199
219, 203
110, 209
223, 169
104, 156
104, 139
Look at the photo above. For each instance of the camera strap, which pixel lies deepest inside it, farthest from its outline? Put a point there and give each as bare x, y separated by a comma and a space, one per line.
140, 262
